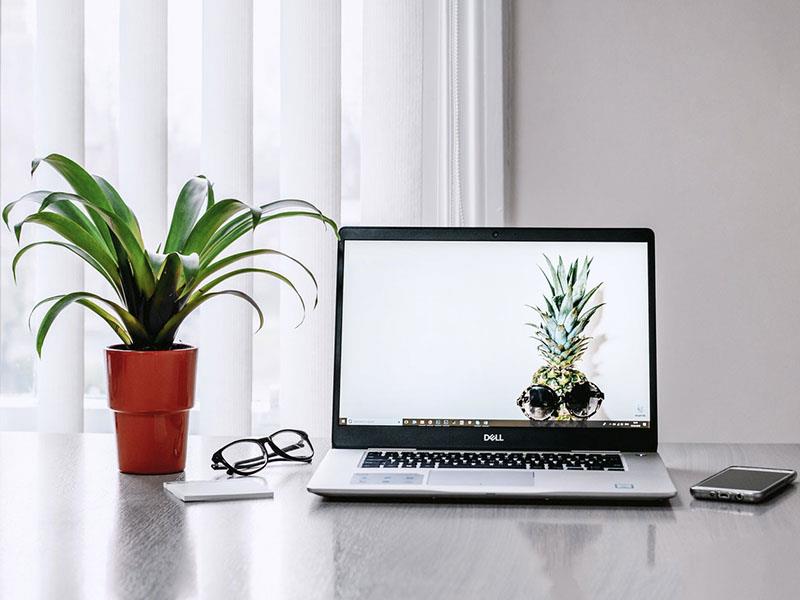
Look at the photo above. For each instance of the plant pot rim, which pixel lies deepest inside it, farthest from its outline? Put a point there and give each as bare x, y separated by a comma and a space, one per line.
175, 348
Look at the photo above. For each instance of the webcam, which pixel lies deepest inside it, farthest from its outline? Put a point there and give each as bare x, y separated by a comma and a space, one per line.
495, 234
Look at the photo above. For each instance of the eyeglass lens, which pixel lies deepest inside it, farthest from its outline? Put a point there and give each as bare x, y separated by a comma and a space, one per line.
246, 456
543, 402
583, 400
292, 444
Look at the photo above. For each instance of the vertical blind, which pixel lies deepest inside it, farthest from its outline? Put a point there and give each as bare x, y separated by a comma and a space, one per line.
310, 169
58, 102
412, 111
225, 328
392, 112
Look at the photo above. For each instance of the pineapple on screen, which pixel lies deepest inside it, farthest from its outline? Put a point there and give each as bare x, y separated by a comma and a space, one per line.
560, 332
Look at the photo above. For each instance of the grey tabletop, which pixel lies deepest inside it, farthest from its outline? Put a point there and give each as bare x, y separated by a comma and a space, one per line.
72, 526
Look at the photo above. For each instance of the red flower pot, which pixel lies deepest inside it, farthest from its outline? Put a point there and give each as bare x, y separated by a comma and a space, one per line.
151, 392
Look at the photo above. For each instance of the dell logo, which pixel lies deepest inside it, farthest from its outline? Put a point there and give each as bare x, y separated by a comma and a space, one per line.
492, 437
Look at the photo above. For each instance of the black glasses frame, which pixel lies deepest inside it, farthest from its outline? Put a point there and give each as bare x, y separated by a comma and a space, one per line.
270, 452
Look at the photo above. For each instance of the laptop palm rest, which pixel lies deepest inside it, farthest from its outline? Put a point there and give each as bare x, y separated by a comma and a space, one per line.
480, 477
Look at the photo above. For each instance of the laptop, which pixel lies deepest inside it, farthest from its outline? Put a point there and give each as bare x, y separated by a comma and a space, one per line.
499, 363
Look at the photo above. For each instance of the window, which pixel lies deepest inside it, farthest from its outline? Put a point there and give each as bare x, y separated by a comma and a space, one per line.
18, 38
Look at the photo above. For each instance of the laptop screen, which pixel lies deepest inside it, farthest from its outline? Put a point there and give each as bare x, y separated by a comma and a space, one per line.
495, 334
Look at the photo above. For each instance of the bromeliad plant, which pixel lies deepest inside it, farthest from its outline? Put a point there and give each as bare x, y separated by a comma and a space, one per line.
156, 291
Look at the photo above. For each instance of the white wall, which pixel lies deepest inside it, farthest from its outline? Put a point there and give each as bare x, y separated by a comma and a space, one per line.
685, 117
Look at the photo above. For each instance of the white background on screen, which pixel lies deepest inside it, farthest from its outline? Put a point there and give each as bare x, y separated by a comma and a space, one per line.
437, 329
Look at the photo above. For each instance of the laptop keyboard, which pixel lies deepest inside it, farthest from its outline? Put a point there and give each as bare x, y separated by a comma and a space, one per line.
559, 461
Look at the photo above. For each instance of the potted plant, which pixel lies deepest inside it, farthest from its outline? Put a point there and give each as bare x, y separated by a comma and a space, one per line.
151, 378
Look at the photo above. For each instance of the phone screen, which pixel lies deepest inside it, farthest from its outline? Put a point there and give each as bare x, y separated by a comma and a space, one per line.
743, 479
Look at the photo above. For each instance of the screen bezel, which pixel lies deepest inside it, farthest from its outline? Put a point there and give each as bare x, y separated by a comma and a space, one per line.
513, 438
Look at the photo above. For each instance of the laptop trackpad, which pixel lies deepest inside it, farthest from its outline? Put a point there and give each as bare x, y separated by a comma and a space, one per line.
480, 477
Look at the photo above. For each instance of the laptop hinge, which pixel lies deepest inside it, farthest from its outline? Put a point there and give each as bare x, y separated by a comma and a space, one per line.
596, 451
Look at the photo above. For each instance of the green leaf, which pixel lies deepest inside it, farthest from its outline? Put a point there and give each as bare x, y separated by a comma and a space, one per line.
193, 197
234, 258
210, 222
136, 330
67, 209
588, 296
275, 274
130, 242
167, 333
588, 314
120, 208
78, 178
164, 302
191, 264
82, 183
108, 318
65, 227
238, 226
573, 269
112, 278
216, 246
38, 304
547, 279
553, 280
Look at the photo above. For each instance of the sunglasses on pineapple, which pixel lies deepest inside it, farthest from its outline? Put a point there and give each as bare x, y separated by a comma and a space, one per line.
248, 456
540, 402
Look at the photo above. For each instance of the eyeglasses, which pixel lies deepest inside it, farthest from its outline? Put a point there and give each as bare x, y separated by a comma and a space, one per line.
250, 455
540, 402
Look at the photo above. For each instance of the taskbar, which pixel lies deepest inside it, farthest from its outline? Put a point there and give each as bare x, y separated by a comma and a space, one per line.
432, 422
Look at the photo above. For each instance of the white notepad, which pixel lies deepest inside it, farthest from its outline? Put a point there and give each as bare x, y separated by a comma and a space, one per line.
238, 488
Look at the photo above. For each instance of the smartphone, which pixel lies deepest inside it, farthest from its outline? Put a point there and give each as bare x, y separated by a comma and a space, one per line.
743, 484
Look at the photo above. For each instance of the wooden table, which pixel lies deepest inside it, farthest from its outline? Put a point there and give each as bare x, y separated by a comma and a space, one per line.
72, 526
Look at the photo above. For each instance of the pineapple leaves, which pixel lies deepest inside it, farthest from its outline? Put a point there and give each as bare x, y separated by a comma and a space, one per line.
565, 315
156, 290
